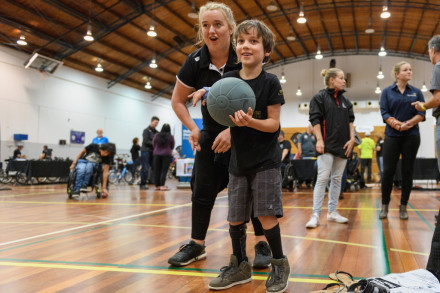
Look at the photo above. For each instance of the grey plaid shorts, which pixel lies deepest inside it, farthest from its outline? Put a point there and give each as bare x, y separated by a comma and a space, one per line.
260, 192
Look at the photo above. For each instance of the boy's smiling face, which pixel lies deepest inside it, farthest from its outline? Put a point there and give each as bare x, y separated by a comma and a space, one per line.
250, 49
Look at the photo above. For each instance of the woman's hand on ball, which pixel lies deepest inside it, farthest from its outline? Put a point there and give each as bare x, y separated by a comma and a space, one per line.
241, 118
197, 95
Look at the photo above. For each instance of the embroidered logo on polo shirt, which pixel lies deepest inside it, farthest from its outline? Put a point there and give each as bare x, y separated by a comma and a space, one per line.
197, 58
412, 95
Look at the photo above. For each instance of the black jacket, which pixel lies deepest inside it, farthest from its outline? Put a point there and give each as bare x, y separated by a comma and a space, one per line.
147, 139
333, 112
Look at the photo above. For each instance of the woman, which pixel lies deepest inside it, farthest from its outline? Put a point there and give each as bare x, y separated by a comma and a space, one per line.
402, 135
331, 115
210, 175
163, 145
379, 157
135, 148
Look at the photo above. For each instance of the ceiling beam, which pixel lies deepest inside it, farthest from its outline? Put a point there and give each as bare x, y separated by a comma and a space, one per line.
325, 29
339, 24
354, 27
280, 56
403, 21
417, 29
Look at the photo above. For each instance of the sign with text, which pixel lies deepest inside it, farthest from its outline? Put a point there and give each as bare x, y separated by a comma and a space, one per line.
184, 167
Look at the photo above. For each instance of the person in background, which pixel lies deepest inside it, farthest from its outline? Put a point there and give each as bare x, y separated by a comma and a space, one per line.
99, 139
379, 158
17, 153
331, 115
147, 150
87, 160
163, 144
285, 147
434, 102
402, 135
307, 143
46, 154
366, 154
135, 148
433, 264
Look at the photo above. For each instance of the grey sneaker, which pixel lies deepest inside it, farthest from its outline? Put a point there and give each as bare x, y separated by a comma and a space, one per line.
232, 275
278, 279
187, 254
263, 255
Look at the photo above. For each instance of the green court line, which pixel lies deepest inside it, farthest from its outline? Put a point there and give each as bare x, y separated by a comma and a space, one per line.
386, 261
148, 267
422, 217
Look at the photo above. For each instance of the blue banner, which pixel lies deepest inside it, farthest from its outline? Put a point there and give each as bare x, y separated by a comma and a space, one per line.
187, 152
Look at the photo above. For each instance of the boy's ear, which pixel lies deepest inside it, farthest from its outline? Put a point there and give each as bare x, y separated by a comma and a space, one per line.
267, 54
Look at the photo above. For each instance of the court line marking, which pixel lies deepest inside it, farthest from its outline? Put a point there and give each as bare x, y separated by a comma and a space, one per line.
29, 194
91, 203
386, 260
146, 271
409, 251
173, 205
132, 266
213, 229
91, 225
422, 217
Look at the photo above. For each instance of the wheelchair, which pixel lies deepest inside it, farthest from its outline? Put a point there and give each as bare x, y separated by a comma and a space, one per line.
95, 182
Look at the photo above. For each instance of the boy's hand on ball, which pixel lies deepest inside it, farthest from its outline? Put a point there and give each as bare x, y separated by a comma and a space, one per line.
241, 118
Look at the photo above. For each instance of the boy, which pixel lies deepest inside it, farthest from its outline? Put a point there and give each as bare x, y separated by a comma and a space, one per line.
254, 169
86, 161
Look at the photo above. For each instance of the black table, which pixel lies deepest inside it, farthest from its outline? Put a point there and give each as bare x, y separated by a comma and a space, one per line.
17, 166
41, 168
304, 169
424, 169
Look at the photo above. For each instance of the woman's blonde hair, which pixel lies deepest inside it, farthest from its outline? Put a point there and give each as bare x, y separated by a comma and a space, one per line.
328, 73
223, 8
396, 68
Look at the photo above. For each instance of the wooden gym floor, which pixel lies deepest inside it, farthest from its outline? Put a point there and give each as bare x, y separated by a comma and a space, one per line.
121, 244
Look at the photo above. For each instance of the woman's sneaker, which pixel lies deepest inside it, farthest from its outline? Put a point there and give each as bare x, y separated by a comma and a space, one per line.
263, 255
313, 222
278, 279
187, 254
336, 217
232, 275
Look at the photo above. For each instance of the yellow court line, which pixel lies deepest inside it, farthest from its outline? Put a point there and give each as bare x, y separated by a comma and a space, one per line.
189, 228
346, 208
173, 205
330, 241
409, 251
145, 271
28, 194
93, 203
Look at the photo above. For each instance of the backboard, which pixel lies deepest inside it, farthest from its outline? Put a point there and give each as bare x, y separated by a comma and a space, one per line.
42, 63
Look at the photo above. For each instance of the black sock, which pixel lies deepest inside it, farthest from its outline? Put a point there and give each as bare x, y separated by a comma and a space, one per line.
238, 237
258, 228
273, 237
